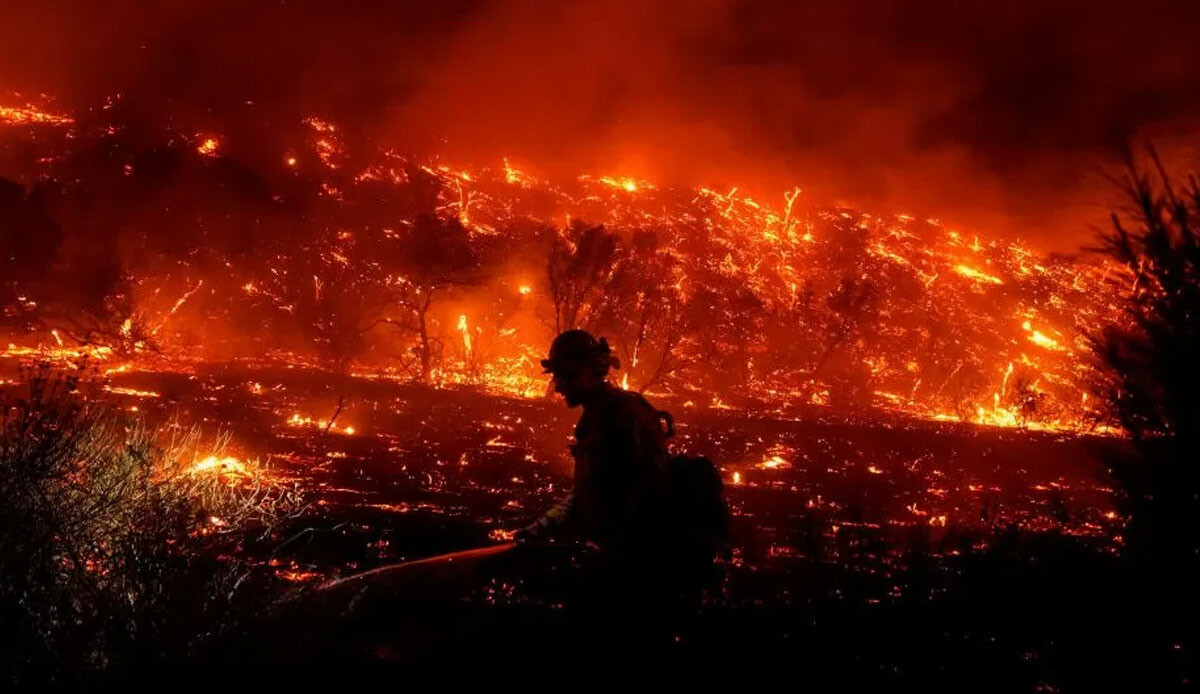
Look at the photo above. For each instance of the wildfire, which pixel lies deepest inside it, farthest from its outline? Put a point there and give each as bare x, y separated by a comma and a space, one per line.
1039, 338
625, 183
132, 391
977, 275
208, 147
30, 115
466, 334
774, 458
516, 177
60, 354
299, 421
775, 462
227, 465
765, 288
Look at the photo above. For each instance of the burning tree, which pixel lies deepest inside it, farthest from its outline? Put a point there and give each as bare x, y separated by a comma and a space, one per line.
728, 325
579, 261
335, 244
1152, 369
794, 334
855, 305
333, 302
641, 307
430, 256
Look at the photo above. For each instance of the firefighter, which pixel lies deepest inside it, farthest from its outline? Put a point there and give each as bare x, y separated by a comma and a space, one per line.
620, 452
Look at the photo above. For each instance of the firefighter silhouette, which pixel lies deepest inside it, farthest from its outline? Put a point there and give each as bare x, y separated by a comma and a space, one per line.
631, 497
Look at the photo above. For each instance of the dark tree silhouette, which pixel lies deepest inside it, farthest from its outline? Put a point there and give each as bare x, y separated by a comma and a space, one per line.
29, 244
1151, 360
428, 257
329, 297
854, 307
575, 269
641, 310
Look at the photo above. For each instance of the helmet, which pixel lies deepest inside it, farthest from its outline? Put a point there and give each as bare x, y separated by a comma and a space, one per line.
575, 349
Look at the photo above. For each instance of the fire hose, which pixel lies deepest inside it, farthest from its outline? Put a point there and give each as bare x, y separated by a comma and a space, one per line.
391, 572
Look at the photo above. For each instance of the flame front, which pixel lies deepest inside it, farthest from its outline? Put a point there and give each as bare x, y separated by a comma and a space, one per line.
709, 296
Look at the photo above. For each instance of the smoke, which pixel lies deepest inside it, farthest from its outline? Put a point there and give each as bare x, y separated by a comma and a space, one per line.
999, 116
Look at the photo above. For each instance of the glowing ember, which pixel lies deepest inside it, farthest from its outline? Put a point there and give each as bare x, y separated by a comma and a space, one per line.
1040, 339
132, 391
208, 147
29, 115
795, 306
466, 334
296, 420
299, 576
220, 466
977, 275
774, 462
629, 185
501, 535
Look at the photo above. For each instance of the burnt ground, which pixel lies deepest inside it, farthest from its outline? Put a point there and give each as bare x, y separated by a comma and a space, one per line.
430, 471
869, 553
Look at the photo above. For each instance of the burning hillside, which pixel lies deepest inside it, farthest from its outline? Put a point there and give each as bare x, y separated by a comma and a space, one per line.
144, 252
278, 281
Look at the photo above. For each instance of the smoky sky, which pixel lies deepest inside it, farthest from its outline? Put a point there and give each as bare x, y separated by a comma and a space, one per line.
997, 115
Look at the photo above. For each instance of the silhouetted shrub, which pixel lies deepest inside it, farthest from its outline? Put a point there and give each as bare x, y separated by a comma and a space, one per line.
114, 547
1151, 357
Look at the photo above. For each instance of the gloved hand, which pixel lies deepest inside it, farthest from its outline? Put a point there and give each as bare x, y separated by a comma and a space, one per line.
529, 533
549, 524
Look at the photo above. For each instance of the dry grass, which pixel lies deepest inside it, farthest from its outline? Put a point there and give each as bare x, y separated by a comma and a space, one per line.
116, 546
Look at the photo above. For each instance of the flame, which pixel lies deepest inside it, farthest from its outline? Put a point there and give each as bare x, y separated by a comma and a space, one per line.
220, 466
466, 334
777, 252
977, 275
1041, 340
299, 421
30, 115
627, 184
208, 147
299, 576
132, 391
773, 462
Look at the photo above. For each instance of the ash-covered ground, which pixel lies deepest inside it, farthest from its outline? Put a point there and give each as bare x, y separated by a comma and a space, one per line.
869, 551
399, 472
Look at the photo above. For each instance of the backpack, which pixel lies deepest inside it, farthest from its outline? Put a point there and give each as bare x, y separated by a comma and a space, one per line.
698, 510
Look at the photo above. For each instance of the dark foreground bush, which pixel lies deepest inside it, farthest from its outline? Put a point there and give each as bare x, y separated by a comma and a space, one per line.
1152, 366
116, 552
